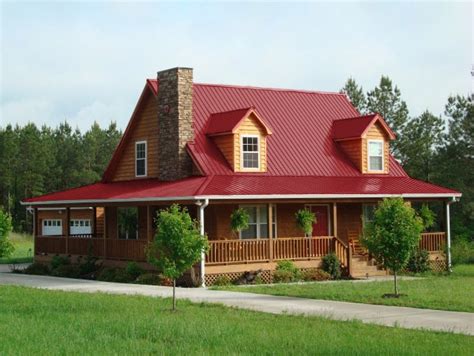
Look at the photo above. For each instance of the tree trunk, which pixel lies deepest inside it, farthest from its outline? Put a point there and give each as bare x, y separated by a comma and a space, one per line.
174, 294
395, 282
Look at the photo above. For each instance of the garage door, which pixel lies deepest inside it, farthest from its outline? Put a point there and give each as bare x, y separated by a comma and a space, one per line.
80, 227
52, 227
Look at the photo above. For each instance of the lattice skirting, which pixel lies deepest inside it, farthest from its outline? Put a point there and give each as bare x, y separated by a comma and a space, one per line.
438, 265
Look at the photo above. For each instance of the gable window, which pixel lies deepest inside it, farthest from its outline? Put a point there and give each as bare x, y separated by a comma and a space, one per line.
250, 152
140, 159
258, 222
375, 151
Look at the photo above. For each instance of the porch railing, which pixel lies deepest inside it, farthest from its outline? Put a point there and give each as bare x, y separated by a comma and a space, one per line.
433, 241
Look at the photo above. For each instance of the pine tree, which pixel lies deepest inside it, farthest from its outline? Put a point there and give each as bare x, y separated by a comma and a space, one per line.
355, 94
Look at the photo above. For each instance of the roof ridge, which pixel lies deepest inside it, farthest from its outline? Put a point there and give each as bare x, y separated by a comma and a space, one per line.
356, 117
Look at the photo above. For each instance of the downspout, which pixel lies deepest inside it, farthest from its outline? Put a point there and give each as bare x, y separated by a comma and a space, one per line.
448, 231
202, 205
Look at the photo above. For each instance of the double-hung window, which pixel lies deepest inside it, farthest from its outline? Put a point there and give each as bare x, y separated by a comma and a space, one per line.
250, 152
258, 222
140, 159
375, 151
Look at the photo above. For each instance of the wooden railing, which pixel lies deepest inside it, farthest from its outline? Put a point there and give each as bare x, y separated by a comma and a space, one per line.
50, 244
126, 249
433, 241
342, 251
265, 250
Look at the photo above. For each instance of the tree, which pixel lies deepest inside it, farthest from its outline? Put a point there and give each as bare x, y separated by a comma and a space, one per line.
419, 143
386, 100
6, 247
355, 94
393, 235
177, 245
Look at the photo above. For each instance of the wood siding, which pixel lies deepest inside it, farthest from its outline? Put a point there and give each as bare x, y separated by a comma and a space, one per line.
353, 150
145, 129
225, 143
250, 126
376, 132
349, 220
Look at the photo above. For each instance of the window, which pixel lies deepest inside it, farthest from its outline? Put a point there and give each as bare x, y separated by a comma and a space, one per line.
127, 221
258, 222
80, 227
52, 227
140, 159
368, 211
375, 155
250, 152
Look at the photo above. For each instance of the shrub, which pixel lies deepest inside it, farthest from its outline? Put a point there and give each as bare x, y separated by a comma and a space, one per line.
122, 276
149, 278
419, 261
222, 280
67, 271
107, 274
58, 261
462, 251
133, 270
315, 275
332, 266
37, 269
283, 276
286, 271
6, 247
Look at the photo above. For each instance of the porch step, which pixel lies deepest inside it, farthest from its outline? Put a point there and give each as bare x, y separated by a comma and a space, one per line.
361, 267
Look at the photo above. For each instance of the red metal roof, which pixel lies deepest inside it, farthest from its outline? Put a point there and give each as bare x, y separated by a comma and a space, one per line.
246, 187
355, 127
302, 157
227, 122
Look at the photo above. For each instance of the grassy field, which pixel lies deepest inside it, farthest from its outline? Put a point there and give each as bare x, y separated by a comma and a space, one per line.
454, 292
23, 249
55, 322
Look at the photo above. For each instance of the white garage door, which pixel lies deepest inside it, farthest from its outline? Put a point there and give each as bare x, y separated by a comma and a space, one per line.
80, 227
52, 227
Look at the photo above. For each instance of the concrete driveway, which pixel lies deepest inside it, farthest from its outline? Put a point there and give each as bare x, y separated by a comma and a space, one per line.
412, 318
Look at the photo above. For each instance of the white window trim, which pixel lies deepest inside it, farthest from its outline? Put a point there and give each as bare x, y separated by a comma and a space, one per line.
258, 206
146, 158
242, 153
308, 206
383, 155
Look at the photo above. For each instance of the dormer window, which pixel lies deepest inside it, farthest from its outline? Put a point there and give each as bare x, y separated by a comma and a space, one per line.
140, 159
251, 152
375, 151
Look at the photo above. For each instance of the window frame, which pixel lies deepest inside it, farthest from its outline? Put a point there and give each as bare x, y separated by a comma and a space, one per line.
382, 142
242, 167
274, 215
145, 158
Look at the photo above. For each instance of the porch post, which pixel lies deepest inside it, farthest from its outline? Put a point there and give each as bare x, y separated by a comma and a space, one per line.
448, 233
94, 212
68, 218
334, 219
35, 228
270, 232
148, 224
202, 206
105, 233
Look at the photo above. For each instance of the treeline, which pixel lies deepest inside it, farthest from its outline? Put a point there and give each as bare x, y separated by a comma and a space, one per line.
38, 160
434, 148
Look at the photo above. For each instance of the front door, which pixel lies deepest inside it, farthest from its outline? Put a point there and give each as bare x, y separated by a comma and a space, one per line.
321, 227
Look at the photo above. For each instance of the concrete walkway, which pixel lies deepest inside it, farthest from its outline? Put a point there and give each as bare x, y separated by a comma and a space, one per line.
412, 318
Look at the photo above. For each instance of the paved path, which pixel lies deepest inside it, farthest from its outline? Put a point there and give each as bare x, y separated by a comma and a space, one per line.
412, 318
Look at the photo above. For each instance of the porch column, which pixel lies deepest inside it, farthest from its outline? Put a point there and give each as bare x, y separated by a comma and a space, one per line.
202, 206
149, 222
448, 233
68, 218
94, 212
334, 219
35, 229
270, 232
105, 233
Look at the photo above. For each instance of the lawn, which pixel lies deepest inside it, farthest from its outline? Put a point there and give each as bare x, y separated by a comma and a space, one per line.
56, 322
23, 249
453, 292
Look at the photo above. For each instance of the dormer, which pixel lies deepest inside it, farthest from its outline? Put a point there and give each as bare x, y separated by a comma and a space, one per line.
366, 141
241, 136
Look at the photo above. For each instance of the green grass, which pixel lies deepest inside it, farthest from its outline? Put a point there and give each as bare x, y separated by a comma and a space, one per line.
23, 249
453, 292
52, 322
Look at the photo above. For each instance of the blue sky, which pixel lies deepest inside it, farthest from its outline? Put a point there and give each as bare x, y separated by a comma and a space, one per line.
88, 61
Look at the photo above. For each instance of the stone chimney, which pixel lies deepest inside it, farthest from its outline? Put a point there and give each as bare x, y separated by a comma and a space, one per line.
175, 122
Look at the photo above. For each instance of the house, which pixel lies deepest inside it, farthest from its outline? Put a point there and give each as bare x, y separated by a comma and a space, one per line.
214, 148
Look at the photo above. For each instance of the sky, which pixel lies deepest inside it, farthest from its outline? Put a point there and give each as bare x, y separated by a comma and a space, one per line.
88, 61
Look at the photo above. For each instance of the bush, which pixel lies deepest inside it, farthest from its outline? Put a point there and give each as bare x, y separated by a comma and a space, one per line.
133, 270
222, 280
122, 276
149, 278
286, 272
37, 269
89, 265
332, 266
107, 274
419, 261
315, 275
283, 276
58, 261
67, 271
462, 251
